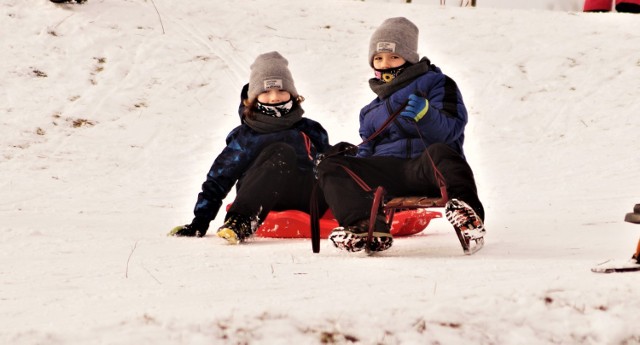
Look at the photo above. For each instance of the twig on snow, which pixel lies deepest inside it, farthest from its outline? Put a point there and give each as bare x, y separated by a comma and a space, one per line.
62, 21
159, 17
152, 276
126, 272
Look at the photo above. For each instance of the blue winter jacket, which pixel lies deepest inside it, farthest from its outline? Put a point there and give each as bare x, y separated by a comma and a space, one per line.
444, 122
306, 136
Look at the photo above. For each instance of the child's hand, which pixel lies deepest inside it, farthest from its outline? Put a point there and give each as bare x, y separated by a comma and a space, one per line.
416, 108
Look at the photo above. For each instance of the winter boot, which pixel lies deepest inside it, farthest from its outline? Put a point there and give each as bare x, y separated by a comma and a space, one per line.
635, 216
353, 238
469, 227
629, 6
237, 228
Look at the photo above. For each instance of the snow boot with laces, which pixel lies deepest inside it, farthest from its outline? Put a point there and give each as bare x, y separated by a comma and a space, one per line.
468, 226
353, 238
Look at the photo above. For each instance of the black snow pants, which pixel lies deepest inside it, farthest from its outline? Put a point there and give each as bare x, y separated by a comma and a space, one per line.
399, 177
274, 182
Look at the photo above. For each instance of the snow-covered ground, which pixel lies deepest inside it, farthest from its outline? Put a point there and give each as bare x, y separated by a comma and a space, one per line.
112, 112
556, 5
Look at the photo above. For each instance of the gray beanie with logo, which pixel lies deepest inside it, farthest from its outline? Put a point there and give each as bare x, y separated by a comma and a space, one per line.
270, 71
395, 35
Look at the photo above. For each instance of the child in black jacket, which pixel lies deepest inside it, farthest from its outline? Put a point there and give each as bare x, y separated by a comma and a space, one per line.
270, 156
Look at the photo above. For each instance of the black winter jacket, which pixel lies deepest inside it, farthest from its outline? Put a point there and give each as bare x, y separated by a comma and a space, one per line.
306, 136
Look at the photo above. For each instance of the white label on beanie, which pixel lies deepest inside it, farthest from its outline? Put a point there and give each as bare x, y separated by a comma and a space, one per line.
386, 47
273, 84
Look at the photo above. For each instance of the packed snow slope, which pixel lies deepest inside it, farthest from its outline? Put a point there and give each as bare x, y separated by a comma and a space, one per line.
112, 112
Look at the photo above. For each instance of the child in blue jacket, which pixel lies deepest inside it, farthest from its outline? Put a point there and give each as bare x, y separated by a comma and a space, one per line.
408, 156
270, 156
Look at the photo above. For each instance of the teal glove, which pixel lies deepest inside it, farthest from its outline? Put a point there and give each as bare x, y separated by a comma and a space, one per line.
416, 108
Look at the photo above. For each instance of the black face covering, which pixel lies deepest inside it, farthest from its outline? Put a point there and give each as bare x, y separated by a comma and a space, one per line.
411, 72
282, 116
389, 74
275, 110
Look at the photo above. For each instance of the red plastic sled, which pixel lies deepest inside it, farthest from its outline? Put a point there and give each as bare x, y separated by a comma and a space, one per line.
296, 224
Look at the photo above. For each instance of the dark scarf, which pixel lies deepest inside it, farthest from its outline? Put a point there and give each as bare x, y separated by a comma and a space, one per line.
384, 90
275, 110
262, 123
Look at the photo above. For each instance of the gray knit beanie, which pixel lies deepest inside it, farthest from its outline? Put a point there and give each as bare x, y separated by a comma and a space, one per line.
270, 71
395, 35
